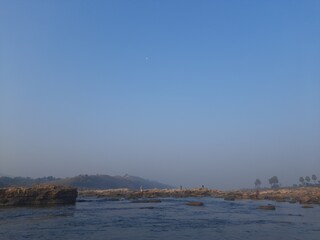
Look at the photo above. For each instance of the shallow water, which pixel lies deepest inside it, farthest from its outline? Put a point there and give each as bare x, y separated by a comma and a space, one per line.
170, 219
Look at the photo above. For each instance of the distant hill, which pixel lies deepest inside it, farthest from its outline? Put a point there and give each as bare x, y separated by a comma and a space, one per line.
24, 181
110, 182
87, 182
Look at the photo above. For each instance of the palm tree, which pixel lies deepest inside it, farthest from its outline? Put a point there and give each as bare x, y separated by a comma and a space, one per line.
308, 179
257, 183
301, 179
314, 178
274, 182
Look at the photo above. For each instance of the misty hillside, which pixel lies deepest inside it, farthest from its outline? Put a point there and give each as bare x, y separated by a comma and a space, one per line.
24, 181
87, 182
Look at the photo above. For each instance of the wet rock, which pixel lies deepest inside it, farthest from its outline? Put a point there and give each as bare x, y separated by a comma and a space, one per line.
229, 198
194, 204
38, 195
305, 199
147, 201
267, 207
307, 206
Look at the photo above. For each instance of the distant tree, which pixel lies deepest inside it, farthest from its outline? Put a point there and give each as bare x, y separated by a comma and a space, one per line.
274, 182
314, 178
50, 178
257, 183
308, 179
301, 179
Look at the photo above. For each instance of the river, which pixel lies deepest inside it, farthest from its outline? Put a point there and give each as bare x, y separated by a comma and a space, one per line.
96, 218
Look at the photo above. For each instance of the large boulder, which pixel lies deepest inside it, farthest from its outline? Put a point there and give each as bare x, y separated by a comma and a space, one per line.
38, 195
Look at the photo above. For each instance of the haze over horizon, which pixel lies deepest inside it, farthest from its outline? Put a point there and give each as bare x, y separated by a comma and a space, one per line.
214, 93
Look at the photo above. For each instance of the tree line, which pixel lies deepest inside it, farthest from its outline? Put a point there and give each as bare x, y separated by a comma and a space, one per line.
304, 181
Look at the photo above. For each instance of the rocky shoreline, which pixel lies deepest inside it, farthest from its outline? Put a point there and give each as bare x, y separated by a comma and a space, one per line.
302, 195
151, 193
42, 195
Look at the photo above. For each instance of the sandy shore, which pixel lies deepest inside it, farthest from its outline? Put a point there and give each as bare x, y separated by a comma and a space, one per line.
303, 195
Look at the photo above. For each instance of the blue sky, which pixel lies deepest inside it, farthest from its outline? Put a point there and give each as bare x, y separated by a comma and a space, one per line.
184, 92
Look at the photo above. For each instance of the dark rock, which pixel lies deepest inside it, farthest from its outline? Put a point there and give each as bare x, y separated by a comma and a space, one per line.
229, 198
194, 203
147, 201
39, 195
267, 207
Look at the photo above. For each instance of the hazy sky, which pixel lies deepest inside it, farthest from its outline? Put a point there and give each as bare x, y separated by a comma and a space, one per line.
183, 92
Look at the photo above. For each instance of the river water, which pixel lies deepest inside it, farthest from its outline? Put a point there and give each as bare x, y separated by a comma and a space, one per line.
96, 218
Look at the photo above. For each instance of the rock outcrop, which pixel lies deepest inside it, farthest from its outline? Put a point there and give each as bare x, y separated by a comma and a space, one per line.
38, 195
302, 195
152, 193
195, 204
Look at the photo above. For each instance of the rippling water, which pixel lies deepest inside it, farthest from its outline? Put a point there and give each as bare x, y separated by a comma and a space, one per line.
170, 219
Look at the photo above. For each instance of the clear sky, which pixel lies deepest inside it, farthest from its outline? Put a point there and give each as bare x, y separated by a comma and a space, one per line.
184, 92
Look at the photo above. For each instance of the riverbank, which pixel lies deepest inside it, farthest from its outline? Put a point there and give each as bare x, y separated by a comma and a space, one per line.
151, 193
47, 195
303, 195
